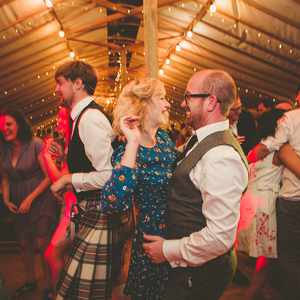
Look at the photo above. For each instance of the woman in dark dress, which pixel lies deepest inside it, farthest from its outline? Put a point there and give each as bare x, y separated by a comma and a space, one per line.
26, 193
143, 169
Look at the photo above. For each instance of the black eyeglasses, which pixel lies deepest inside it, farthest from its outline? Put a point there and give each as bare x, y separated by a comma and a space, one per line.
200, 95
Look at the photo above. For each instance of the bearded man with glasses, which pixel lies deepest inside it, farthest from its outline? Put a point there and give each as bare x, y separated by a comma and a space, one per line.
204, 198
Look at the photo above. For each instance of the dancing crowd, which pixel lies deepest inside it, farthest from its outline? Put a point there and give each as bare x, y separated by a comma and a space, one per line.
123, 207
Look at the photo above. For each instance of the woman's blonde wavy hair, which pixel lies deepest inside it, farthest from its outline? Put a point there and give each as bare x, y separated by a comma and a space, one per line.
134, 100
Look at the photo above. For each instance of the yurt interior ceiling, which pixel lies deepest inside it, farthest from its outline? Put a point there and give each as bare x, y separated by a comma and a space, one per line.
256, 41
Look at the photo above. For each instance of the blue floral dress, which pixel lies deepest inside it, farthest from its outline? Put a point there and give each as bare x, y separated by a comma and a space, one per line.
148, 185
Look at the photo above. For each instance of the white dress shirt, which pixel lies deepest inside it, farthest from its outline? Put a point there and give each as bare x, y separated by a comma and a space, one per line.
221, 177
288, 131
96, 134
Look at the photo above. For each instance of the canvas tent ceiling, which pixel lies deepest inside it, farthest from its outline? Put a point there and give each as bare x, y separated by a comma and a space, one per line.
256, 41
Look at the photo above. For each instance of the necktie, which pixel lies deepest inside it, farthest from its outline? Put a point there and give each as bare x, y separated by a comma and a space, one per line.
188, 147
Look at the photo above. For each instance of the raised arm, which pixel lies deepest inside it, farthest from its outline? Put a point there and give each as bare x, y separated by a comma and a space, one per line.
290, 159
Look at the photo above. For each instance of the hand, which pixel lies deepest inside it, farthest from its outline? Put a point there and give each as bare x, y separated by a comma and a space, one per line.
54, 149
241, 139
11, 206
154, 248
58, 188
130, 128
25, 206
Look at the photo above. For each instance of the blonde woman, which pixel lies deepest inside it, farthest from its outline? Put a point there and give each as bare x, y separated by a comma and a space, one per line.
143, 167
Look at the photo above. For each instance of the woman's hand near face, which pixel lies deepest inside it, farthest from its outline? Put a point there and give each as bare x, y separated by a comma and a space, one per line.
130, 128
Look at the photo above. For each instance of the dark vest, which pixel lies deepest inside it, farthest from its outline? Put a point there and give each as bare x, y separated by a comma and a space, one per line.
185, 201
78, 162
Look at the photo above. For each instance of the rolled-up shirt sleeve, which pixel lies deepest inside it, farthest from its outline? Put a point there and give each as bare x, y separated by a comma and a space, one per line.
221, 176
282, 135
96, 134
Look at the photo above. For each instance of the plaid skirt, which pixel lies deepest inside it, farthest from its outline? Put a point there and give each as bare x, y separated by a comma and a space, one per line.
93, 264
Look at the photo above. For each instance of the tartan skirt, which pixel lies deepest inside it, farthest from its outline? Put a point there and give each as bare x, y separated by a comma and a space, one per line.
93, 264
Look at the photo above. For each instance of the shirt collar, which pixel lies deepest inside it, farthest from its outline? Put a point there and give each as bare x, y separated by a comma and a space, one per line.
205, 131
80, 106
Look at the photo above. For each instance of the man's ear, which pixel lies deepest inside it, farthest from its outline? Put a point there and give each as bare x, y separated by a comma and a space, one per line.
78, 84
212, 103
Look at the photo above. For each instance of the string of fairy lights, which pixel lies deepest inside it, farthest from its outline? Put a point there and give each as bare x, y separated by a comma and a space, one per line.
282, 46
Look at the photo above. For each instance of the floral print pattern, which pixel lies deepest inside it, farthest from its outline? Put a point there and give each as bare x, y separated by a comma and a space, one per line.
147, 184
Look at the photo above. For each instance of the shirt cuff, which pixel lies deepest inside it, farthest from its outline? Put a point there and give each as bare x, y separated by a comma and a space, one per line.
269, 143
77, 180
171, 251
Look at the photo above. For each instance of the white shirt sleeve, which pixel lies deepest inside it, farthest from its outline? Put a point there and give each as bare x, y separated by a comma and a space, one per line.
221, 177
96, 134
282, 135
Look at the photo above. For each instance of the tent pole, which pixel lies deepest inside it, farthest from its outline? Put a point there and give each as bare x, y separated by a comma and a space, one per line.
150, 37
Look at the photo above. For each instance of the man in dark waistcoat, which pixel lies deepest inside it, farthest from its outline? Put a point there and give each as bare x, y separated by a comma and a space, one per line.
88, 269
205, 192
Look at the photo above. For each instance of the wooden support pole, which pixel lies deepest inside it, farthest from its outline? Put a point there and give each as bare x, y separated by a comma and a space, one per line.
123, 68
150, 37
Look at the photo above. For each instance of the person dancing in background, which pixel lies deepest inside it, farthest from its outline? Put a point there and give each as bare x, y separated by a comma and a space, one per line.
142, 170
26, 193
56, 167
258, 230
89, 270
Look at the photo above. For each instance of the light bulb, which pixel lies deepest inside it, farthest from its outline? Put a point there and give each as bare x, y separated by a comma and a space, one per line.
61, 34
213, 8
189, 34
48, 3
72, 54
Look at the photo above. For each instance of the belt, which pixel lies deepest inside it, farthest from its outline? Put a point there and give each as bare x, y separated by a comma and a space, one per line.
88, 194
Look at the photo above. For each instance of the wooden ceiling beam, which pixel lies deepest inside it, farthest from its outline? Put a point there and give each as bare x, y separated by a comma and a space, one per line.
259, 84
38, 12
271, 13
249, 67
195, 57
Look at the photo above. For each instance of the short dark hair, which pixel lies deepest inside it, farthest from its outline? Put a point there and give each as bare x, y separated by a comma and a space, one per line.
79, 70
269, 103
249, 102
267, 123
24, 129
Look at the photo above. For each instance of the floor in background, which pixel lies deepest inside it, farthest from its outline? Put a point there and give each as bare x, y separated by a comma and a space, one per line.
12, 271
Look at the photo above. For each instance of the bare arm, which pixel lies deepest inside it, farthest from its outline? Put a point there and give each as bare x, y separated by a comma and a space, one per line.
53, 171
290, 159
5, 190
260, 151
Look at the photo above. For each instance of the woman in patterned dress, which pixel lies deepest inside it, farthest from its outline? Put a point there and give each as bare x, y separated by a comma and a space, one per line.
142, 170
258, 226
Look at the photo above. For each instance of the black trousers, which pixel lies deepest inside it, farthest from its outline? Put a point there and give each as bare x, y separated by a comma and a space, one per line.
288, 244
206, 282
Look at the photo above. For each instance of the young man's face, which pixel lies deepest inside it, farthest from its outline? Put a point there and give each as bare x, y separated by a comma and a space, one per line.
64, 89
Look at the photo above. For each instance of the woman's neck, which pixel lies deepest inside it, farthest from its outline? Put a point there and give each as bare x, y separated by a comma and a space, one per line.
16, 144
149, 136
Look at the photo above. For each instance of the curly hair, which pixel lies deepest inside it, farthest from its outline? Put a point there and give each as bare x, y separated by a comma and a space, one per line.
135, 98
24, 133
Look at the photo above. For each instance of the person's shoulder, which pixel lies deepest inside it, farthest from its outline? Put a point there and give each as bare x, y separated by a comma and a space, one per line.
163, 136
295, 114
92, 115
222, 153
36, 141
